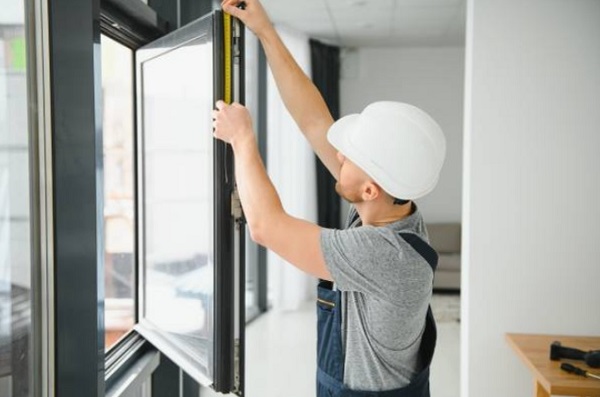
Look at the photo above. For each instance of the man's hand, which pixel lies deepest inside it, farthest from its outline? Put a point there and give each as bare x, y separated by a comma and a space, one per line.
268, 222
253, 15
232, 123
301, 97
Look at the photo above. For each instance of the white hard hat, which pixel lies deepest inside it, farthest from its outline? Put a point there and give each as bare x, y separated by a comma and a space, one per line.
398, 145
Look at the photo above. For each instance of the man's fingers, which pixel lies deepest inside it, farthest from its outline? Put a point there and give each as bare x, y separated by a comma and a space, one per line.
232, 7
233, 3
233, 10
220, 104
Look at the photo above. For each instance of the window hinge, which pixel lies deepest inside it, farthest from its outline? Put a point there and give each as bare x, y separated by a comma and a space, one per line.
237, 27
236, 206
236, 34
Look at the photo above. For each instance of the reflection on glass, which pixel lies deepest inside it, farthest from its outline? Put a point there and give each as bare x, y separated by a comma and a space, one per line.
178, 196
252, 253
251, 298
119, 220
15, 257
251, 98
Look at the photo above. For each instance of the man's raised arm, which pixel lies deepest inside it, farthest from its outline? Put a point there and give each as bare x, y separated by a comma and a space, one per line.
300, 96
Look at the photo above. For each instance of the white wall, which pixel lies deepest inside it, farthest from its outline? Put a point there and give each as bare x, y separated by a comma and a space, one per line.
531, 253
430, 78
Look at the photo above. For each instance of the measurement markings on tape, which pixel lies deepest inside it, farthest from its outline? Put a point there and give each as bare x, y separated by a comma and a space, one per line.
228, 61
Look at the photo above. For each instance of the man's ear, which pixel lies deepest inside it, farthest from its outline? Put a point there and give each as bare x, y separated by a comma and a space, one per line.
371, 191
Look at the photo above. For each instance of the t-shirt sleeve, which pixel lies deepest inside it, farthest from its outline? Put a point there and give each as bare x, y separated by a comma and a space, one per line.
366, 260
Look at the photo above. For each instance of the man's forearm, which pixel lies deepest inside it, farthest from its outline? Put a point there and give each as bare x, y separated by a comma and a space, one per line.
295, 240
269, 224
259, 198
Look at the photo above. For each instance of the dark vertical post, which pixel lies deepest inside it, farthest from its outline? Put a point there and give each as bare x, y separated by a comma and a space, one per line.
77, 180
165, 379
224, 231
191, 388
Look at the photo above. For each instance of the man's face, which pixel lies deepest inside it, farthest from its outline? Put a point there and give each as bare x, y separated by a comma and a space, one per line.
351, 182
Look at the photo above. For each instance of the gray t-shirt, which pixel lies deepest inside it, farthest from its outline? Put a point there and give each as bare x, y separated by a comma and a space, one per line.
386, 288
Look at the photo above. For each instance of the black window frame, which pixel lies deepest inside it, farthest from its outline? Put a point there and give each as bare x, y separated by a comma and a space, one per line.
221, 366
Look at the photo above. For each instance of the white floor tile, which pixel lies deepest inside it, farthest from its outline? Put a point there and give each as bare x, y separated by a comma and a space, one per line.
281, 354
445, 368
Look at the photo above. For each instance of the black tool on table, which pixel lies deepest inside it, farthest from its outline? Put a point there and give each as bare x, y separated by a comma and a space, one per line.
591, 358
578, 371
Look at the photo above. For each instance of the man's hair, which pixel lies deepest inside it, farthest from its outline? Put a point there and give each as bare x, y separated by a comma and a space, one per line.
400, 201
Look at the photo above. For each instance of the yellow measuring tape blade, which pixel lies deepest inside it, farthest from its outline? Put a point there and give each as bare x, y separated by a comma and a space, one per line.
228, 64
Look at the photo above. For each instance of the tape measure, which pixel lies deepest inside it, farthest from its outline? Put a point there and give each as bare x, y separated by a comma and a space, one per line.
228, 62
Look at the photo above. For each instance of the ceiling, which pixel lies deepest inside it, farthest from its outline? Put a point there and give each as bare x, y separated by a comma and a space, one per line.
374, 23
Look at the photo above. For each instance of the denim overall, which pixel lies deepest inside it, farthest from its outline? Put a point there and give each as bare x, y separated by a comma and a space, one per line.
330, 371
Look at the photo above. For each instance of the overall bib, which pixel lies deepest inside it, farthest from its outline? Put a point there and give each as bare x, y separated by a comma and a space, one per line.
330, 371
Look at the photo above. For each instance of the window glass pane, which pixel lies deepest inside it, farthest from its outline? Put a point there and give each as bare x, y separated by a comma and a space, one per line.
251, 97
178, 197
119, 221
15, 245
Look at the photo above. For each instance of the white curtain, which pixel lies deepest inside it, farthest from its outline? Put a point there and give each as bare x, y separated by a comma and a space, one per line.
291, 166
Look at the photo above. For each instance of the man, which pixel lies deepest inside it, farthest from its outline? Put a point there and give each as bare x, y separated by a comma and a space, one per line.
376, 334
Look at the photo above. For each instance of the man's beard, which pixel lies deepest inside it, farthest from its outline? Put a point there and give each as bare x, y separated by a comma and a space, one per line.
350, 197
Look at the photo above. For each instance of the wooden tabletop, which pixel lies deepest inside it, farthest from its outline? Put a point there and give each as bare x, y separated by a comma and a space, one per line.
534, 350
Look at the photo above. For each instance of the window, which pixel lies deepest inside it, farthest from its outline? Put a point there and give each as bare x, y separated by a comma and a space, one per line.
119, 178
189, 242
15, 243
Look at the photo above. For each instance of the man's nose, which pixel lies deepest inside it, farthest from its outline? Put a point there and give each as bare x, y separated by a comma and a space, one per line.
340, 157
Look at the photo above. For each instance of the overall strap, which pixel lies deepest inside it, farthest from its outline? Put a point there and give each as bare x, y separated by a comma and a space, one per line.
354, 217
430, 333
424, 249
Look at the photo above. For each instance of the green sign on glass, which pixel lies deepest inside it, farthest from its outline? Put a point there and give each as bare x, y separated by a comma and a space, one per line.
17, 54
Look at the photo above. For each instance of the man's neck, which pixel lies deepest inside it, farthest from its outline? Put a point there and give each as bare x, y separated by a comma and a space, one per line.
374, 214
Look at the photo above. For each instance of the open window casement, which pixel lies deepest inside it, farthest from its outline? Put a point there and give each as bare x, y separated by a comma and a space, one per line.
191, 273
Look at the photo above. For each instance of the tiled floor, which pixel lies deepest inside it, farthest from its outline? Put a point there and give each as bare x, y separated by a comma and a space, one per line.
281, 353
